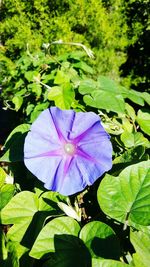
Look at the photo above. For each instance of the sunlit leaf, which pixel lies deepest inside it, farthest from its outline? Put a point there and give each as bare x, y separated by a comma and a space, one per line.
133, 95
134, 139
146, 97
108, 263
27, 213
63, 95
141, 242
143, 119
126, 198
35, 88
21, 207
103, 95
130, 111
61, 77
57, 232
2, 177
29, 75
17, 101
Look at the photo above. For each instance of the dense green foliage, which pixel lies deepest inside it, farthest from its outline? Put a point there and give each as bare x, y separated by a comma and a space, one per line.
50, 229
108, 27
108, 224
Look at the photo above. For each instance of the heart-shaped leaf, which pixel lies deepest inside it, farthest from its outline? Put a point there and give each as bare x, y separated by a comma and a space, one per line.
126, 198
63, 228
134, 139
104, 94
62, 95
27, 213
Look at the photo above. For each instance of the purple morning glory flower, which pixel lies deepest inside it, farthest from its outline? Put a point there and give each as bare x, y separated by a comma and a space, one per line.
67, 150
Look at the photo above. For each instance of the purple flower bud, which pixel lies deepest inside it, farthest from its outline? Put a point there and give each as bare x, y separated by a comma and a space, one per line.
67, 150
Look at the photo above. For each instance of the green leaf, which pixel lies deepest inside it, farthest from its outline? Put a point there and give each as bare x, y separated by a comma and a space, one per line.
18, 84
126, 93
104, 95
126, 198
143, 119
133, 95
14, 144
83, 66
29, 109
130, 111
29, 75
21, 92
2, 177
105, 100
141, 242
61, 78
70, 251
21, 213
87, 86
127, 125
6, 193
101, 240
108, 95
112, 126
17, 101
36, 88
146, 97
38, 109
63, 96
108, 263
48, 201
27, 213
134, 139
21, 207
46, 240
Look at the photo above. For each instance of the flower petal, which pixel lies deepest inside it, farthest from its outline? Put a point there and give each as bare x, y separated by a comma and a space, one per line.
96, 144
82, 123
36, 145
44, 168
70, 183
45, 128
63, 120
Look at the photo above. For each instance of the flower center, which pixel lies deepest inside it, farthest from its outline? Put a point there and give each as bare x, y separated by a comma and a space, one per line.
69, 148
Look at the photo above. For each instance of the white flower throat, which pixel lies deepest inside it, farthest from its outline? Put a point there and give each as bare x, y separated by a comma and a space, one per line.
69, 148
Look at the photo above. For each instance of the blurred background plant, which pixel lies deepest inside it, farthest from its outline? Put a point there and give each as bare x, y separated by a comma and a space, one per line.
116, 30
